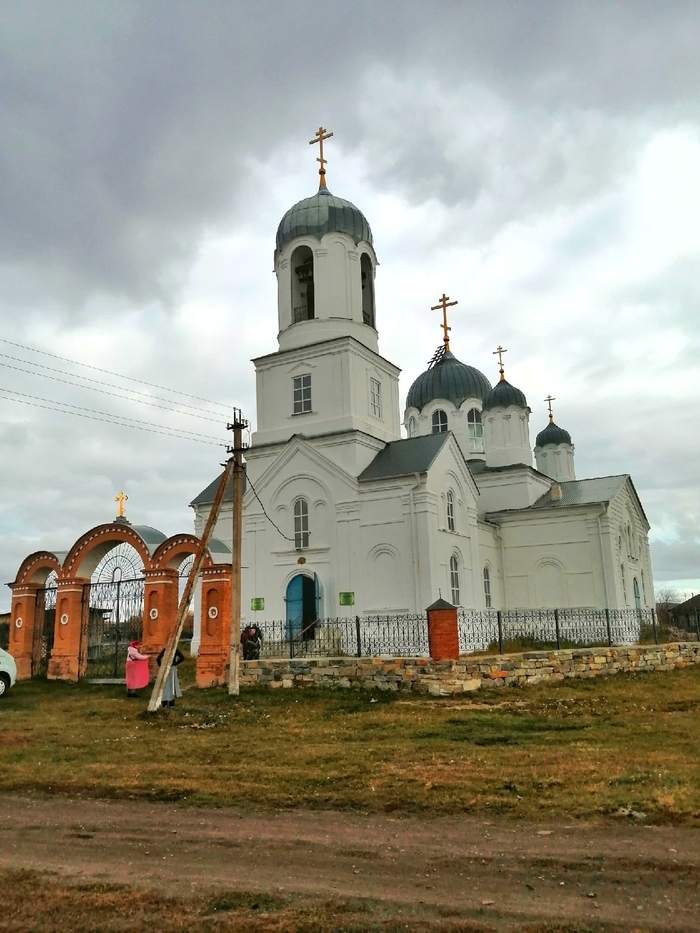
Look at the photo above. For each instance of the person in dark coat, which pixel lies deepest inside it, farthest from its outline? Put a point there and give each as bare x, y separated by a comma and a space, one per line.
171, 689
251, 642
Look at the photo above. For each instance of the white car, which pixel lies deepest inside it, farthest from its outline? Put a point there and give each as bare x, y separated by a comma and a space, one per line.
8, 672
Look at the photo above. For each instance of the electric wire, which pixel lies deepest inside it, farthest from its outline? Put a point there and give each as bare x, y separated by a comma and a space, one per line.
110, 385
274, 524
113, 422
108, 414
125, 398
111, 372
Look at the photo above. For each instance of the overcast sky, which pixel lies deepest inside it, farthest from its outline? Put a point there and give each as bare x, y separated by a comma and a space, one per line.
538, 161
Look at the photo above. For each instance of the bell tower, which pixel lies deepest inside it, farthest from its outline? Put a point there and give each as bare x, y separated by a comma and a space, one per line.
327, 375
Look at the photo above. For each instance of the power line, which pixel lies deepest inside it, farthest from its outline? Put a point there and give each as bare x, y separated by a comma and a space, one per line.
255, 493
108, 414
125, 398
99, 382
114, 423
111, 372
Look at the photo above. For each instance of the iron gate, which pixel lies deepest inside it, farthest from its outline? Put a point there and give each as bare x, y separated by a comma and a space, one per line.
112, 618
44, 622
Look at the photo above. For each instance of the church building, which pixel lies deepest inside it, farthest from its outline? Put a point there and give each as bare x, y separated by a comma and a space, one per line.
344, 516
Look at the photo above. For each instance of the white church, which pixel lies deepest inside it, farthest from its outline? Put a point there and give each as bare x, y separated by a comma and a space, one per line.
344, 516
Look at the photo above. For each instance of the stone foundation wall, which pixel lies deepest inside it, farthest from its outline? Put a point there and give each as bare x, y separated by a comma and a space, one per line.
446, 678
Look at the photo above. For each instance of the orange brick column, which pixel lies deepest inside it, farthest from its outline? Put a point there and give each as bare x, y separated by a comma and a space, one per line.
160, 602
443, 637
67, 662
22, 622
212, 660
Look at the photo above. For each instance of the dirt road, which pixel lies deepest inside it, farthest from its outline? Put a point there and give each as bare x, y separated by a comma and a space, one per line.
504, 873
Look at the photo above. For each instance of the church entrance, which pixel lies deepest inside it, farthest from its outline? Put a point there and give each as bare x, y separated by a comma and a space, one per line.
302, 607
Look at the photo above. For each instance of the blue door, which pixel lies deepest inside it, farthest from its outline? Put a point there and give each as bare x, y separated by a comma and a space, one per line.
302, 602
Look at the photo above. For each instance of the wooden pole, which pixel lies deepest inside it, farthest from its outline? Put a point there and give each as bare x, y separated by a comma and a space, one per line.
234, 659
156, 700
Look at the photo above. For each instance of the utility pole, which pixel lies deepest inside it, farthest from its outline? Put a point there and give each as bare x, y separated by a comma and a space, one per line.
234, 666
167, 662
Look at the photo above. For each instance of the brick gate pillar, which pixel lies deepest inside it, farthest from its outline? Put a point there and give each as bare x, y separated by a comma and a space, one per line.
443, 636
160, 603
22, 623
212, 659
67, 660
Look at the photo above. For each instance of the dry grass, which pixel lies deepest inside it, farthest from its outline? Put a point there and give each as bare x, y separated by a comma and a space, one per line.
626, 744
45, 902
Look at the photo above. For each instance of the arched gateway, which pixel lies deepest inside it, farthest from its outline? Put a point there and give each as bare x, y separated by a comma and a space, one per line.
71, 610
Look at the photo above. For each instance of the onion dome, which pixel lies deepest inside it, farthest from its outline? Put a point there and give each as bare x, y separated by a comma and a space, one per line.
504, 394
450, 379
552, 434
320, 214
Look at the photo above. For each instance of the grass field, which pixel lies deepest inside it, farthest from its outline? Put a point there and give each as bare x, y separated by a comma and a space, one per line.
628, 744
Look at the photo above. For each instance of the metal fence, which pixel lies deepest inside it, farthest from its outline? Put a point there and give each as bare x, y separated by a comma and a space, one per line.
486, 630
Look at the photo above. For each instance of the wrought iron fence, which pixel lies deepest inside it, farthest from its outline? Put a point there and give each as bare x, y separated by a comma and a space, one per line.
404, 635
517, 629
480, 630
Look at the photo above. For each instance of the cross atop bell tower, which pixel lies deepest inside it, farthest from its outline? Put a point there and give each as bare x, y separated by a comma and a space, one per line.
321, 134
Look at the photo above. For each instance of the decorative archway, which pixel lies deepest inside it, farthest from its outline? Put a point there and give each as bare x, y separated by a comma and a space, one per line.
158, 560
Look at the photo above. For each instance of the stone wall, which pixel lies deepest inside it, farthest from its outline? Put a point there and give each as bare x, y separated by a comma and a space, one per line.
446, 678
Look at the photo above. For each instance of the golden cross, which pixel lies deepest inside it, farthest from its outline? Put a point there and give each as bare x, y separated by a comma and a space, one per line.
121, 498
549, 400
444, 303
499, 351
321, 134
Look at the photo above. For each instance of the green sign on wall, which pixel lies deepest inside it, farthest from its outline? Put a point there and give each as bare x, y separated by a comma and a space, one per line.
346, 599
257, 603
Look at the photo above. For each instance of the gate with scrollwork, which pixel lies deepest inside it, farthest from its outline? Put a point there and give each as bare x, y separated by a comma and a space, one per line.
44, 625
112, 617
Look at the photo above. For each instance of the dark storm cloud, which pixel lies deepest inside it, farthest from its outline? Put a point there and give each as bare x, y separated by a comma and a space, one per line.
130, 128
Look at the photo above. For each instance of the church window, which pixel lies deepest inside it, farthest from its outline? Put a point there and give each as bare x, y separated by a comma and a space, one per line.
450, 510
367, 290
475, 430
624, 585
375, 398
454, 579
412, 426
487, 588
637, 595
302, 394
439, 421
302, 265
301, 524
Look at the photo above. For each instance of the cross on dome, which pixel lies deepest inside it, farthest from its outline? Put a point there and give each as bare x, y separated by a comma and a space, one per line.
499, 351
120, 498
443, 304
321, 134
549, 400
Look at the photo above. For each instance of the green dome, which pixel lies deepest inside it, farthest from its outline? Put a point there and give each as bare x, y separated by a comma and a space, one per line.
323, 213
449, 379
552, 434
504, 394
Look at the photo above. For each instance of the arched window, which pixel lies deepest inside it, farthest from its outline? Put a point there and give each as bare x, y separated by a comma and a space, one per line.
487, 588
450, 510
637, 595
302, 266
454, 579
412, 426
439, 421
301, 524
624, 585
475, 430
367, 290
